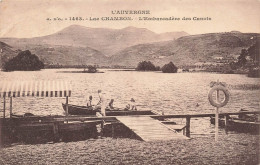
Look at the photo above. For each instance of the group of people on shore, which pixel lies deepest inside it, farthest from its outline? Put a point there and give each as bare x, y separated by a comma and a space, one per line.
104, 106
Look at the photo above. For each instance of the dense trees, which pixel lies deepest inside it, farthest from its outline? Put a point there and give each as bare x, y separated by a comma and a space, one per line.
146, 66
169, 68
91, 69
242, 58
24, 61
254, 52
248, 58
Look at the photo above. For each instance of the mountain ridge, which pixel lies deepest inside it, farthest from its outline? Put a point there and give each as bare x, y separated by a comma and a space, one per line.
130, 45
107, 41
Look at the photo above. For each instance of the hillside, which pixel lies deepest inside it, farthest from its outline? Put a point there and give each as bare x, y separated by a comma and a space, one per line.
107, 41
78, 45
68, 55
62, 55
188, 49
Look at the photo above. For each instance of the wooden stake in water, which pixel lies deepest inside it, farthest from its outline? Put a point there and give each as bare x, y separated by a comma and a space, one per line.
11, 107
67, 108
4, 108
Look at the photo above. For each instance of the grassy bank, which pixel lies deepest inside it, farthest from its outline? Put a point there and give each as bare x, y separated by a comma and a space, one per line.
231, 149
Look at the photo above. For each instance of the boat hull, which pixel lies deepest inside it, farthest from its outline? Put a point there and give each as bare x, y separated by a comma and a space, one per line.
79, 110
239, 124
83, 110
244, 126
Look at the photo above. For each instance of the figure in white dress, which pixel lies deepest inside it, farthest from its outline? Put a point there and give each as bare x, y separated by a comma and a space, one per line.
102, 102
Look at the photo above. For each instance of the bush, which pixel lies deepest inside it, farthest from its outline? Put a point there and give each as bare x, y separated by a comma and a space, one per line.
146, 66
24, 61
169, 68
92, 69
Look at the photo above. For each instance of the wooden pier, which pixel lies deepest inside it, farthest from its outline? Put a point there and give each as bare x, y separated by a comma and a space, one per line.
148, 126
145, 127
149, 129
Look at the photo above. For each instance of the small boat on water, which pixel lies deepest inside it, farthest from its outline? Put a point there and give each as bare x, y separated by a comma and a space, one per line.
239, 125
80, 110
247, 123
79, 72
84, 110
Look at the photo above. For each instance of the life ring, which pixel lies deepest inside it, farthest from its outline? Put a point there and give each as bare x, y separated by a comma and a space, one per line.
220, 88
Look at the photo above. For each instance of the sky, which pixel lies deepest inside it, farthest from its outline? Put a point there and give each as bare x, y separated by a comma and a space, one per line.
28, 18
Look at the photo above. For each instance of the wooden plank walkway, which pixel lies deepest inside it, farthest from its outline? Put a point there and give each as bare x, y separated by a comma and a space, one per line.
149, 129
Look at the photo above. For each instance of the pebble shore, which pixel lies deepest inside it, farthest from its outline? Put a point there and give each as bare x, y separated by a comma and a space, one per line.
230, 149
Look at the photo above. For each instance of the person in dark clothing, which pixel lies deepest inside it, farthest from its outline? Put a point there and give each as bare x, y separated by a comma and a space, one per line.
89, 102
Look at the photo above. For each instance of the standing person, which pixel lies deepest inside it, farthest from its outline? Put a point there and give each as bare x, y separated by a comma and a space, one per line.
89, 102
102, 102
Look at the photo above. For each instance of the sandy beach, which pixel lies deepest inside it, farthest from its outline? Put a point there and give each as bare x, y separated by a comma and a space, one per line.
231, 149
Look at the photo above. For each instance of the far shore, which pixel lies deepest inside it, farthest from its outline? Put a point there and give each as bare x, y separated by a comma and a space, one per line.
77, 70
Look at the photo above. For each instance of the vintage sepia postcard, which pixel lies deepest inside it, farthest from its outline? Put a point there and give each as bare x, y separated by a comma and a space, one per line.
129, 82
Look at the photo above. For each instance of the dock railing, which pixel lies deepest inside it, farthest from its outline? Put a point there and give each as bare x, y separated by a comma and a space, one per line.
162, 117
95, 120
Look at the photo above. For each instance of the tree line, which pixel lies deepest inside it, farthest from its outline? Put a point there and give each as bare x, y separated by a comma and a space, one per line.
149, 66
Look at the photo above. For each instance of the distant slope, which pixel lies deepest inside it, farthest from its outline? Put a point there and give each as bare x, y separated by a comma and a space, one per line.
68, 55
62, 55
107, 41
187, 49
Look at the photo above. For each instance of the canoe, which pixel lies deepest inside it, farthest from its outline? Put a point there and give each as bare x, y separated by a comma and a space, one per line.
83, 110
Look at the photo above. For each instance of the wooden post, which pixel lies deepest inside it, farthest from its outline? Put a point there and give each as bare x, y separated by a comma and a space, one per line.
216, 118
216, 125
55, 132
4, 107
11, 107
226, 123
226, 120
67, 108
102, 128
188, 126
113, 132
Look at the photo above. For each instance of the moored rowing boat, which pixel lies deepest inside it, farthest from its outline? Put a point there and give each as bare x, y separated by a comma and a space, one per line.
84, 110
80, 110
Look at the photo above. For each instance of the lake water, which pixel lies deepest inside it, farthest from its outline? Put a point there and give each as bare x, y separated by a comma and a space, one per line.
171, 93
